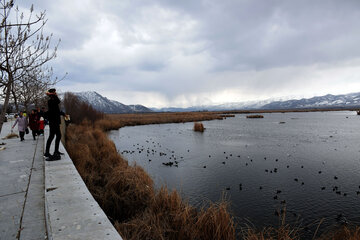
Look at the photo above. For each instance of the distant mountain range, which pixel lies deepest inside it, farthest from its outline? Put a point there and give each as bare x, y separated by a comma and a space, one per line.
327, 101
106, 105
338, 101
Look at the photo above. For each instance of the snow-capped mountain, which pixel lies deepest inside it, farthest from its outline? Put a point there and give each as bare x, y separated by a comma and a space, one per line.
346, 100
327, 101
106, 105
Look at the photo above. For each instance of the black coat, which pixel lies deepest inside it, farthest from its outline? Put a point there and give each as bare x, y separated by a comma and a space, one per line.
53, 113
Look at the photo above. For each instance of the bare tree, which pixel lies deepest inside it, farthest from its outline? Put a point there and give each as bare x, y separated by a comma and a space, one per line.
23, 50
30, 89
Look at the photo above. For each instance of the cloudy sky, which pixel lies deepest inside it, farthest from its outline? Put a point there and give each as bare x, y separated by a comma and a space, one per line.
182, 53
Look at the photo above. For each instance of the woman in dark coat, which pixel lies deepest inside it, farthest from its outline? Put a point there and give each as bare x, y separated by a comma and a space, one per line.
34, 123
53, 115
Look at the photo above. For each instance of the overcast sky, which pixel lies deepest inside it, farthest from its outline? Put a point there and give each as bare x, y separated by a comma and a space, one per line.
182, 53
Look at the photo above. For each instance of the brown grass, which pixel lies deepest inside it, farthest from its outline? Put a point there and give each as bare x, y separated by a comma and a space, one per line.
116, 121
293, 232
227, 115
198, 127
122, 190
271, 233
255, 116
283, 232
169, 217
342, 233
11, 135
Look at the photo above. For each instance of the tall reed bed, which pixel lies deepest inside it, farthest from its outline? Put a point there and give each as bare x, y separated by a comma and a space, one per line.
116, 121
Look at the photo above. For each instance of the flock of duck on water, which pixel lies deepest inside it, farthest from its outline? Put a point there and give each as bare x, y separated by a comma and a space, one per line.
173, 161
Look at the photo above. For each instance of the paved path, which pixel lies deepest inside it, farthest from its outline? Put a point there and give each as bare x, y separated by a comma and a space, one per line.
45, 200
22, 211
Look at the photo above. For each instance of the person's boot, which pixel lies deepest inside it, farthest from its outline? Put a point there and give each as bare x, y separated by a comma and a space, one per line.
56, 156
58, 152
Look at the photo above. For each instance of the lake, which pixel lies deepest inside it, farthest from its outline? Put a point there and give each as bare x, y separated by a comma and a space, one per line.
306, 162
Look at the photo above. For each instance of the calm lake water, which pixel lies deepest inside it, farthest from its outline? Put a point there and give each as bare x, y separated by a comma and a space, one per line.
310, 164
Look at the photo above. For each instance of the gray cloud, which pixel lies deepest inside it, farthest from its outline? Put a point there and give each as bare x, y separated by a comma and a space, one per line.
193, 51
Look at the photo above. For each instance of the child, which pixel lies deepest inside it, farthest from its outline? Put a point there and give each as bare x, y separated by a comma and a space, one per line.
22, 123
41, 126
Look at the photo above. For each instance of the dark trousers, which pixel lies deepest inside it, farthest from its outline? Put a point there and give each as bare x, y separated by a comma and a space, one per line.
54, 130
22, 134
34, 133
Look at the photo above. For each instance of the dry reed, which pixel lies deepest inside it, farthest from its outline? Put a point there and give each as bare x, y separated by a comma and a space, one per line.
198, 127
169, 217
116, 121
255, 116
11, 135
283, 232
342, 233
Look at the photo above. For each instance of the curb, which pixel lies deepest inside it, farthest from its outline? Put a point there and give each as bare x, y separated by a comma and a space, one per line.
71, 212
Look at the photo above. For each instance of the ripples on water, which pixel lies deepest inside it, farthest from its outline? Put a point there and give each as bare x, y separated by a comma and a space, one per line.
310, 164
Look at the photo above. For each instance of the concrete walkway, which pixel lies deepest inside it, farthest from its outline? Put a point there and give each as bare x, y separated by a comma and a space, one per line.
22, 198
45, 200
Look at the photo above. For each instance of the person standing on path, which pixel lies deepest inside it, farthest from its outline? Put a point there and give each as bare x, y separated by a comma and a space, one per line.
53, 116
22, 123
34, 123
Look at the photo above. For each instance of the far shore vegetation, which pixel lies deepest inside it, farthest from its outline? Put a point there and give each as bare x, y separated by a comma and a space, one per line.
127, 194
255, 116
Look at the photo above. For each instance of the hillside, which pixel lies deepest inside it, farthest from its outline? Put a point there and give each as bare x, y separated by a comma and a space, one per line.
106, 105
